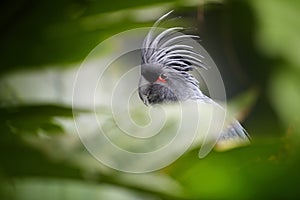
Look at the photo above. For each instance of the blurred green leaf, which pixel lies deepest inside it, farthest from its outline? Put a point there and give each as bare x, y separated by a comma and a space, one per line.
241, 105
278, 28
56, 33
244, 173
31, 119
285, 96
42, 33
278, 37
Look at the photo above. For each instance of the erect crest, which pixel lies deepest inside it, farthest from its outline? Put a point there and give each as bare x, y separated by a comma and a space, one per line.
170, 48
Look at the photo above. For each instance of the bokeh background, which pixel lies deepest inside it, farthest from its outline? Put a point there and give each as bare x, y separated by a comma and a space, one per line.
255, 44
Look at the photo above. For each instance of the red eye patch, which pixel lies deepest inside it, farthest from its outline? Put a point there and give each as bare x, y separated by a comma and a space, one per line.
160, 79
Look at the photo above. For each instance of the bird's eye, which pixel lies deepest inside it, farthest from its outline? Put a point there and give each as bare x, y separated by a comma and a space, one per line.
163, 76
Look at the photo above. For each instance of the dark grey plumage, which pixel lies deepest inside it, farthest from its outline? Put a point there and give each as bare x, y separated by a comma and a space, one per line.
165, 77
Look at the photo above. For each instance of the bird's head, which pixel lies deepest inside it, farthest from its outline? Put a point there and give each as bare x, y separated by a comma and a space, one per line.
154, 73
166, 63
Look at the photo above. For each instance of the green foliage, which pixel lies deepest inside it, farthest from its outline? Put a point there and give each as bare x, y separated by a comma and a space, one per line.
42, 158
40, 33
31, 119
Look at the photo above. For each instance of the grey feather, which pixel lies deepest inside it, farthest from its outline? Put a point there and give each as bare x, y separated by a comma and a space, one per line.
167, 53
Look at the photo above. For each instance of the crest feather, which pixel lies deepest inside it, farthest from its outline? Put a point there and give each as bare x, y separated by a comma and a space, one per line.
168, 50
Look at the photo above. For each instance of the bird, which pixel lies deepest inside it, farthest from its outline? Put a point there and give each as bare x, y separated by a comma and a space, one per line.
166, 74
